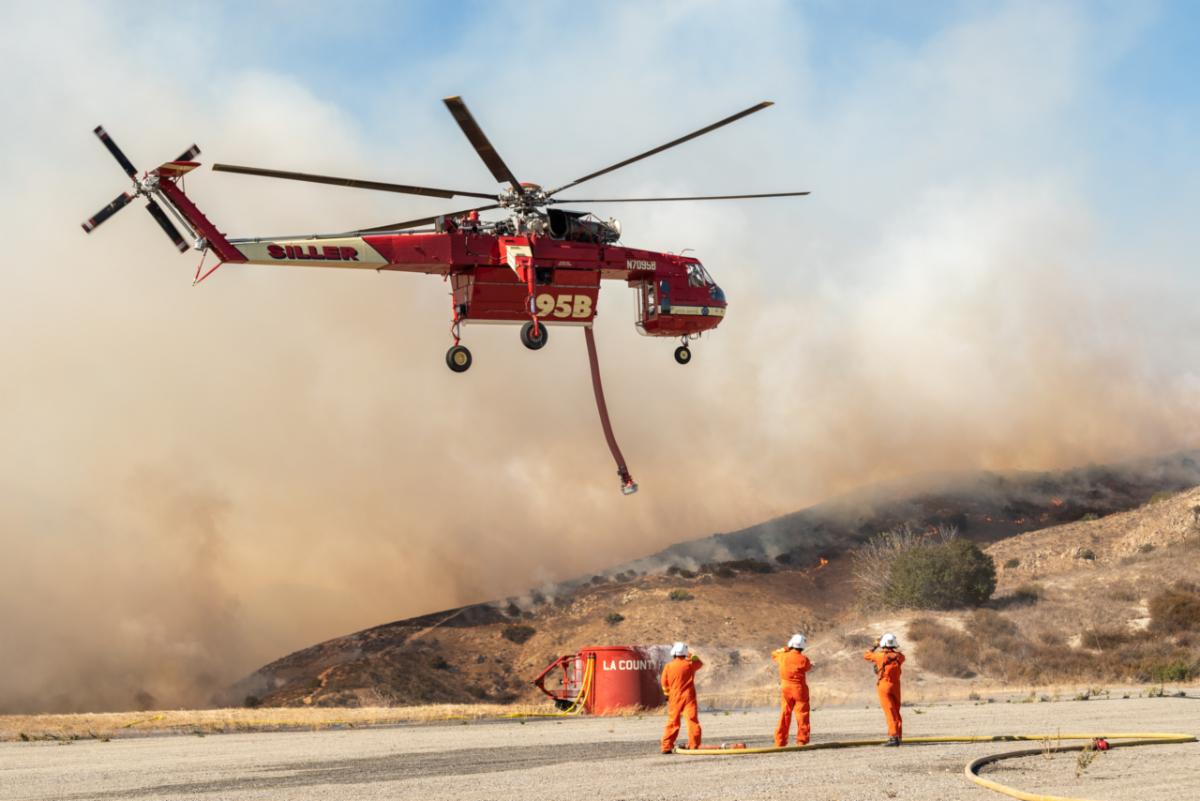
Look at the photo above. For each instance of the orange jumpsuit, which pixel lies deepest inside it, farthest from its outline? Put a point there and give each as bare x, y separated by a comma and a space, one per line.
679, 685
887, 664
793, 686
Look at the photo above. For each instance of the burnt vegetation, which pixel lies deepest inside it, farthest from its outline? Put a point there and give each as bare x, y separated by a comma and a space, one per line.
519, 633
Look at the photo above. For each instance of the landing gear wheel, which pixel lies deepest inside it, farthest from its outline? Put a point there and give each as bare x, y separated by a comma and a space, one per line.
458, 358
532, 342
683, 354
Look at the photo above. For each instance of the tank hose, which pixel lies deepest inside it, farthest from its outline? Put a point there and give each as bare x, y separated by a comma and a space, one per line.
971, 771
628, 486
578, 706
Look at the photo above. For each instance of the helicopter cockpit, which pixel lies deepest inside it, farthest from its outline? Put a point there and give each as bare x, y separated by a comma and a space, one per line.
699, 278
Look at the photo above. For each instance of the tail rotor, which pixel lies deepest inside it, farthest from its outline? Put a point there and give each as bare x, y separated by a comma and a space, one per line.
147, 186
120, 202
107, 141
168, 227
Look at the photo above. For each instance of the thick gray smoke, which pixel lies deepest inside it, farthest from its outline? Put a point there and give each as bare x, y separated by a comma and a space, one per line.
198, 480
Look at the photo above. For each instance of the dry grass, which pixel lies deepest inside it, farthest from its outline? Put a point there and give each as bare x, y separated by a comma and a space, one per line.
992, 646
110, 725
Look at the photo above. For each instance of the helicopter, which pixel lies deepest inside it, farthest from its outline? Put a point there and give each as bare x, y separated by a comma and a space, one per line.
537, 266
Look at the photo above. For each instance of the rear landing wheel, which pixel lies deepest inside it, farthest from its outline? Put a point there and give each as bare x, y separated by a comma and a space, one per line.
532, 342
458, 358
683, 354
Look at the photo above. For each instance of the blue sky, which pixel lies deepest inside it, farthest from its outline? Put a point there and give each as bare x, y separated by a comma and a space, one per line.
1133, 118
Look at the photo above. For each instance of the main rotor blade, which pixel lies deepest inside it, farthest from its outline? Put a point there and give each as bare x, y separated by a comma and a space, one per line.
424, 220
168, 227
190, 153
350, 182
120, 202
661, 148
479, 141
670, 199
102, 134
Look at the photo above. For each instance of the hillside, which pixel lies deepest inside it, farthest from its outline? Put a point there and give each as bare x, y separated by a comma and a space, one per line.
743, 591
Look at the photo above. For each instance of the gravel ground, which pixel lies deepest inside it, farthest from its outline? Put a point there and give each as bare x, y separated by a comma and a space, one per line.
617, 759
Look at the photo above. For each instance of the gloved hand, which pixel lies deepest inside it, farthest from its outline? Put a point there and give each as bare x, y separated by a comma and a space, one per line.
694, 658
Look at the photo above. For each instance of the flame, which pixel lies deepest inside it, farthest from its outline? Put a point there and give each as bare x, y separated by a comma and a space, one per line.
822, 563
1057, 501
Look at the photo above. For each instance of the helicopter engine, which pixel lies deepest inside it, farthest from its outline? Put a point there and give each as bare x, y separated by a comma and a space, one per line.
576, 226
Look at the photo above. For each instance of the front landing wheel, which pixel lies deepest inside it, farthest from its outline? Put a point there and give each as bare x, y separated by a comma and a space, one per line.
683, 354
532, 342
458, 358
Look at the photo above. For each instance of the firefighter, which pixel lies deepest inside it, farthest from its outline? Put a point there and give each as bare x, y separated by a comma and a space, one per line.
679, 685
793, 688
885, 656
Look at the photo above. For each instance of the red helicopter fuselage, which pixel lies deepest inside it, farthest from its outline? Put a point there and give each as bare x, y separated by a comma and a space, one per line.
540, 267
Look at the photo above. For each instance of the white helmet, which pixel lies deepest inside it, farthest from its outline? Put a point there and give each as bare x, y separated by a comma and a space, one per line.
889, 641
679, 649
797, 642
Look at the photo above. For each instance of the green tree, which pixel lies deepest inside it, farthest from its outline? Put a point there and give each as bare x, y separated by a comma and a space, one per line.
943, 575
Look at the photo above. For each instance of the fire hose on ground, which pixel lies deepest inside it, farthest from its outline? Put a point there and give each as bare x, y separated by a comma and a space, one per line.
971, 771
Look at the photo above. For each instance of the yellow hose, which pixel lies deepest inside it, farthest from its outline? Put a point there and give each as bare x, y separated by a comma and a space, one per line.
971, 771
576, 707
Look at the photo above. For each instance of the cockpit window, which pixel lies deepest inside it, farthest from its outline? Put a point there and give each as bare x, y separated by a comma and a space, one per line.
697, 275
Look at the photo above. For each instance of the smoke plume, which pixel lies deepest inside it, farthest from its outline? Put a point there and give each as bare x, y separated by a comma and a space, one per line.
201, 479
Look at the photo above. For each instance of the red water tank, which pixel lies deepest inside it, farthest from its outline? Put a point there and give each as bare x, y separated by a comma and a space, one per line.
625, 676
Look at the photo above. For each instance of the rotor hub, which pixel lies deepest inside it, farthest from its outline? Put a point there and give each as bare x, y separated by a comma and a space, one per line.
530, 198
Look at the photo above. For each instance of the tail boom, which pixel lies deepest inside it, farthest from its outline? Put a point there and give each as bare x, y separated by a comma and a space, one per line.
213, 238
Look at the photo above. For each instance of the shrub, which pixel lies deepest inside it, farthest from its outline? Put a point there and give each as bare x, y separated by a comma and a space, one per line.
1103, 638
252, 702
923, 628
1145, 547
613, 618
680, 595
1027, 594
1175, 610
941, 649
1012, 563
1085, 553
946, 575
1089, 516
518, 634
872, 563
439, 663
991, 627
1050, 638
676, 570
1161, 495
1176, 670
